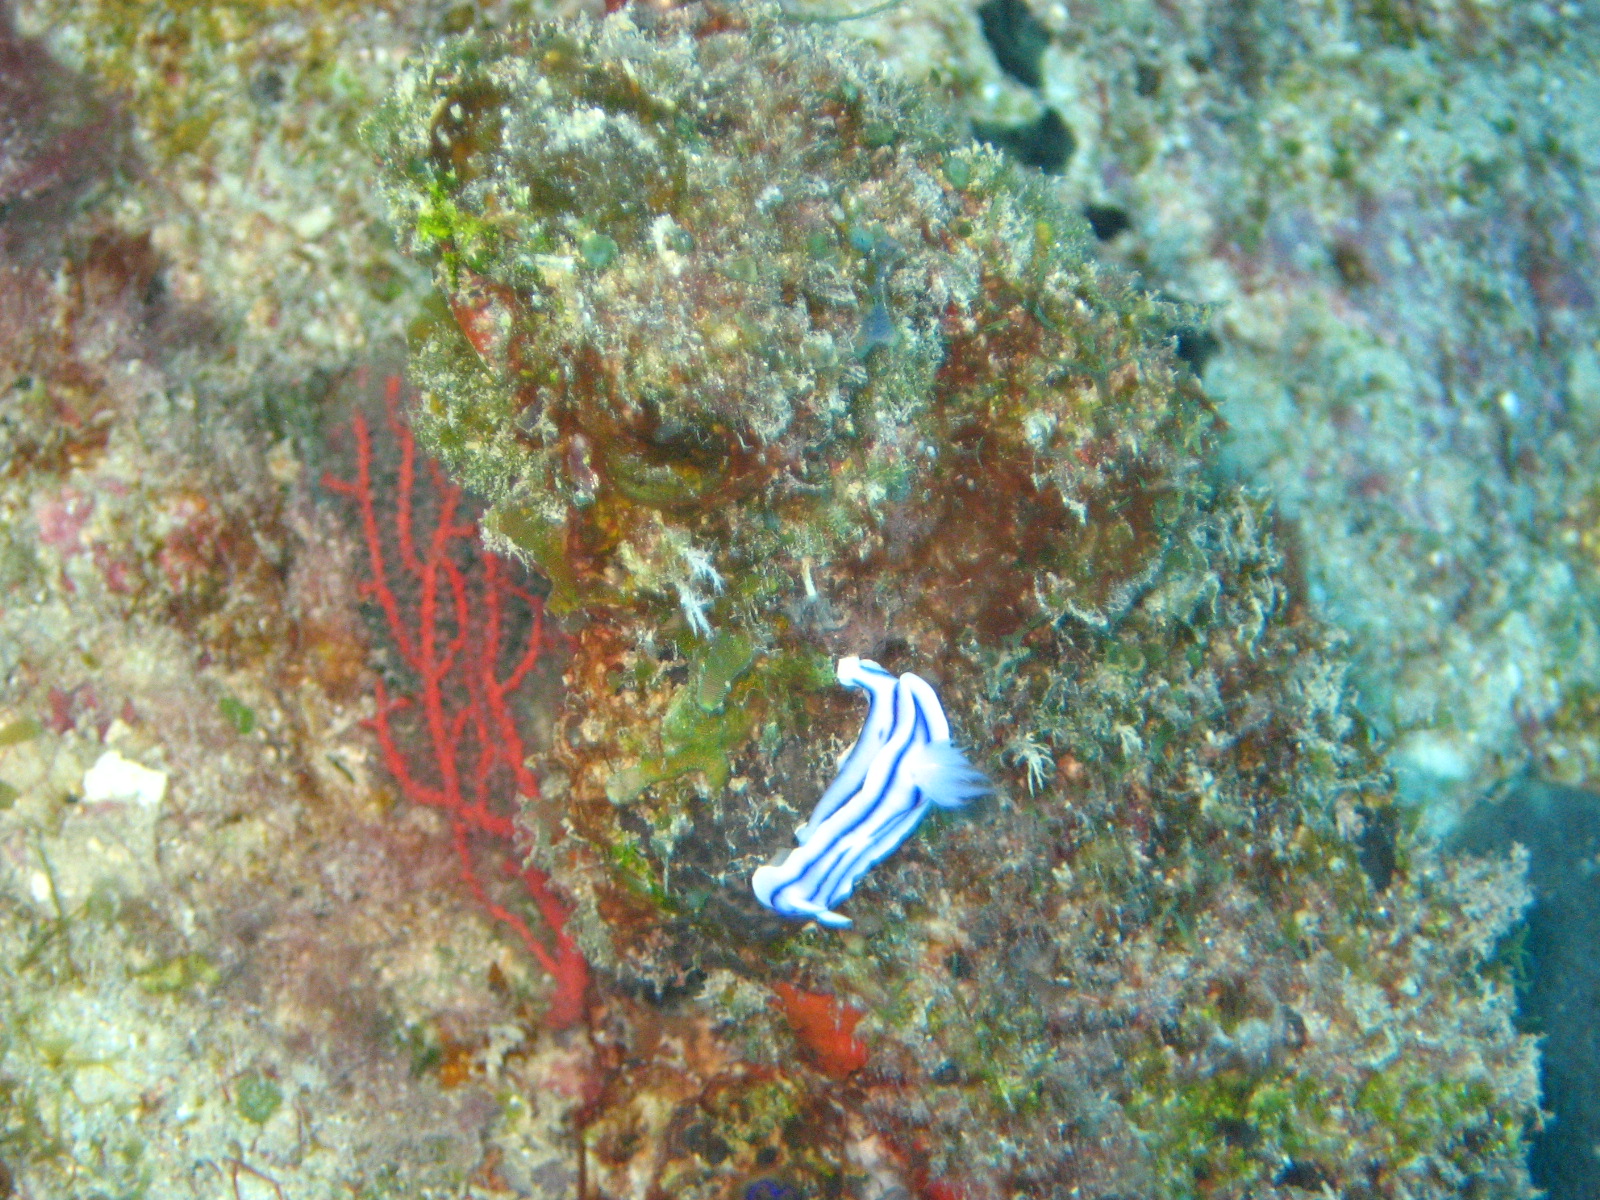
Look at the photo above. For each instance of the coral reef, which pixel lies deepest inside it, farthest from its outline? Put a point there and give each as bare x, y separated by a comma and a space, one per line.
228, 954
56, 141
1191, 949
230, 964
1390, 213
683, 416
1392, 216
761, 362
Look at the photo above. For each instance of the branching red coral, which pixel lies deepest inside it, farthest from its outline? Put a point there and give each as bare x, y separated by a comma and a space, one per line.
457, 620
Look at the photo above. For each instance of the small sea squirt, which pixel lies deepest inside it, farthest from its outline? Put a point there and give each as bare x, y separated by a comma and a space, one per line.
902, 764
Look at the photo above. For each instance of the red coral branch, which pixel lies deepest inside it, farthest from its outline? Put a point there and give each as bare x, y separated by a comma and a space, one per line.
447, 613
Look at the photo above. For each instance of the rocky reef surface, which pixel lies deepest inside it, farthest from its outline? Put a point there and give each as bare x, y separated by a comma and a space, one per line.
761, 363
1390, 211
758, 361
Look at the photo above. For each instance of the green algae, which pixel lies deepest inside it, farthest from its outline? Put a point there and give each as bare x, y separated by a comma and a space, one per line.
238, 714
23, 729
726, 659
256, 1097
177, 974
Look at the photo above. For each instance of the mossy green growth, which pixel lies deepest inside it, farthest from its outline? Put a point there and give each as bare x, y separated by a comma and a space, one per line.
726, 659
693, 739
238, 714
543, 543
23, 729
256, 1097
1233, 1129
636, 869
462, 239
1421, 1113
178, 974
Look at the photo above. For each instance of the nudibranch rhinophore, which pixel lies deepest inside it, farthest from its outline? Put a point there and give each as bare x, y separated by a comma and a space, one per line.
902, 764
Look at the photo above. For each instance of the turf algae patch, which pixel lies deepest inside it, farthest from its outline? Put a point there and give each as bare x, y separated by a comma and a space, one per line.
761, 362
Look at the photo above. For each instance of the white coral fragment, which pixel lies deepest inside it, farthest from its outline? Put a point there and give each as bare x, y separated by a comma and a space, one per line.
116, 778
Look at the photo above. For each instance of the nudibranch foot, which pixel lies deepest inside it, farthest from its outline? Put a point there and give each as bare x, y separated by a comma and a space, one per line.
769, 879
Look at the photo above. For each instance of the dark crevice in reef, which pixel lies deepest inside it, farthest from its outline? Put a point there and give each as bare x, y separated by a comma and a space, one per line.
1017, 39
1558, 989
1196, 346
1046, 143
1107, 220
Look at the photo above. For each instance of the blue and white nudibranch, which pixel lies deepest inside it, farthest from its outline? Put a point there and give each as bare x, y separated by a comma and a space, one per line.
902, 764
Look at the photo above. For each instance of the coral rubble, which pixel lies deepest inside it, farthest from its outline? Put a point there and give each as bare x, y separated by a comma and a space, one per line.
761, 362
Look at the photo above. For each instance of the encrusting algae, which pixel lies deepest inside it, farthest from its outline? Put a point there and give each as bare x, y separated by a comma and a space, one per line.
762, 362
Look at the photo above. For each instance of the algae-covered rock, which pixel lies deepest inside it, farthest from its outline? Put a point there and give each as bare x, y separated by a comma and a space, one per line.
761, 362
762, 371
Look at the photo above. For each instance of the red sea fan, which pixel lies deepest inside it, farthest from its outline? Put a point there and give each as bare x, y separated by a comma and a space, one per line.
468, 636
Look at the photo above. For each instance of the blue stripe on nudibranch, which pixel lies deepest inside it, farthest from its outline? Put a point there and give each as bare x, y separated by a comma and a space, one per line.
902, 764
879, 685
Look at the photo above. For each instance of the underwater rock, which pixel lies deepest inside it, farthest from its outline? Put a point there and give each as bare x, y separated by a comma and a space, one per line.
762, 363
660, 270
56, 141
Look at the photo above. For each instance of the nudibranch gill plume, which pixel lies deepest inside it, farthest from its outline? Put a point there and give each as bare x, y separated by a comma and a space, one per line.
902, 764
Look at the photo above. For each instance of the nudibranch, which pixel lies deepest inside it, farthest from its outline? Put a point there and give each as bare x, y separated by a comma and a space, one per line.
902, 764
